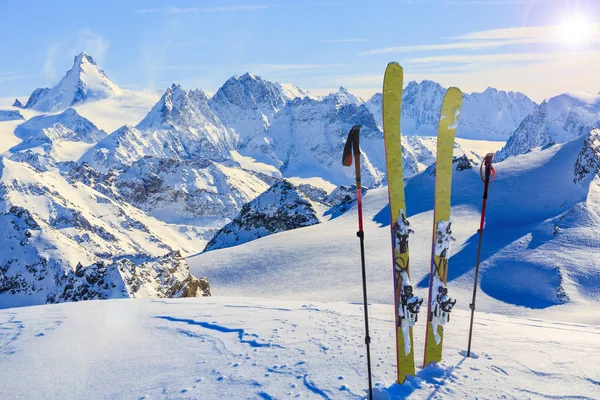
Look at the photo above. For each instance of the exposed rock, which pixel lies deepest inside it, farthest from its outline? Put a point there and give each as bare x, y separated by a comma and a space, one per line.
281, 208
588, 160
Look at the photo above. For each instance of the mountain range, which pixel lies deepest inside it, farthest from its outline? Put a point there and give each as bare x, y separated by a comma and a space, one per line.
198, 172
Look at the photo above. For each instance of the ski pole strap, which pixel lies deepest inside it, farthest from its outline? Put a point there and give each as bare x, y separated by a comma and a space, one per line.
489, 170
351, 146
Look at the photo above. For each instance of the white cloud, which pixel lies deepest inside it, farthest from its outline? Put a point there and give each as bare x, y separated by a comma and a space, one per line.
90, 42
177, 10
501, 58
10, 76
549, 34
344, 41
58, 52
292, 67
52, 54
445, 46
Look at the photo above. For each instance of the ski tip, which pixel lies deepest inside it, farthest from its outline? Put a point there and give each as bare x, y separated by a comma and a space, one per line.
394, 65
454, 89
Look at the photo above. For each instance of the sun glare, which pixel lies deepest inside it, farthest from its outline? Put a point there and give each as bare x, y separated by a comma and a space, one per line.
576, 31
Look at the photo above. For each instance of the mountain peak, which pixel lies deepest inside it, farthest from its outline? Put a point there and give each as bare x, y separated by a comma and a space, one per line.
83, 58
343, 96
84, 82
248, 76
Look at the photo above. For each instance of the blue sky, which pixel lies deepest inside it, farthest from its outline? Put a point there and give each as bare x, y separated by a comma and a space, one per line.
523, 45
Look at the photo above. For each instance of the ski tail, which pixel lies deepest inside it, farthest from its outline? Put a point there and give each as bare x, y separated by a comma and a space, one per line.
439, 303
392, 106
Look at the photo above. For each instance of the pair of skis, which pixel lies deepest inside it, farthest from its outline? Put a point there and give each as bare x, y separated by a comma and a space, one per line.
407, 304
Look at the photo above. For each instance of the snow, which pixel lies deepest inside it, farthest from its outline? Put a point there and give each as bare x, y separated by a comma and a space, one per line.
223, 347
529, 192
84, 82
491, 115
127, 109
191, 164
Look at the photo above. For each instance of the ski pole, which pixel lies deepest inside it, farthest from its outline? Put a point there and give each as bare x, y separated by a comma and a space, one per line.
489, 170
352, 146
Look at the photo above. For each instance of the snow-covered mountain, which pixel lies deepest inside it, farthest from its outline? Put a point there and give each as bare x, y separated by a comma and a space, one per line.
10, 115
281, 208
84, 82
558, 120
490, 115
179, 126
176, 191
248, 104
47, 139
307, 137
64, 241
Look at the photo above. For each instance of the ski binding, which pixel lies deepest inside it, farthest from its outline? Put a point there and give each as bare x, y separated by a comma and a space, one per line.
441, 306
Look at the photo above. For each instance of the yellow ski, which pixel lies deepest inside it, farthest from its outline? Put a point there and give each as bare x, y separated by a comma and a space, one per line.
439, 304
406, 304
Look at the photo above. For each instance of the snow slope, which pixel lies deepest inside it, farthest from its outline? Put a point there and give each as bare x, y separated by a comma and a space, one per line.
529, 191
112, 113
222, 347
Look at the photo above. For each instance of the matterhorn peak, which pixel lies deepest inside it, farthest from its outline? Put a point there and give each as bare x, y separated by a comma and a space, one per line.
82, 58
84, 82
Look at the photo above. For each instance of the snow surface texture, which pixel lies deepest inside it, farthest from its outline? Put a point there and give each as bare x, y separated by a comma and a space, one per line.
561, 119
64, 241
283, 207
219, 347
84, 82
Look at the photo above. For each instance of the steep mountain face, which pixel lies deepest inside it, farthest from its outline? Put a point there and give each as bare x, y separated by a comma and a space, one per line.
17, 103
587, 165
248, 104
180, 190
10, 115
281, 208
559, 120
490, 115
493, 114
56, 137
180, 126
64, 241
375, 105
84, 82
80, 128
306, 135
343, 96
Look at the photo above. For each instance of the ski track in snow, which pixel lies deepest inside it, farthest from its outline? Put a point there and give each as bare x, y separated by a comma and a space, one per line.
224, 347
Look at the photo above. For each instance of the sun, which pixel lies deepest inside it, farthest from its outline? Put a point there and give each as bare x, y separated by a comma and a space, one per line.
576, 30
